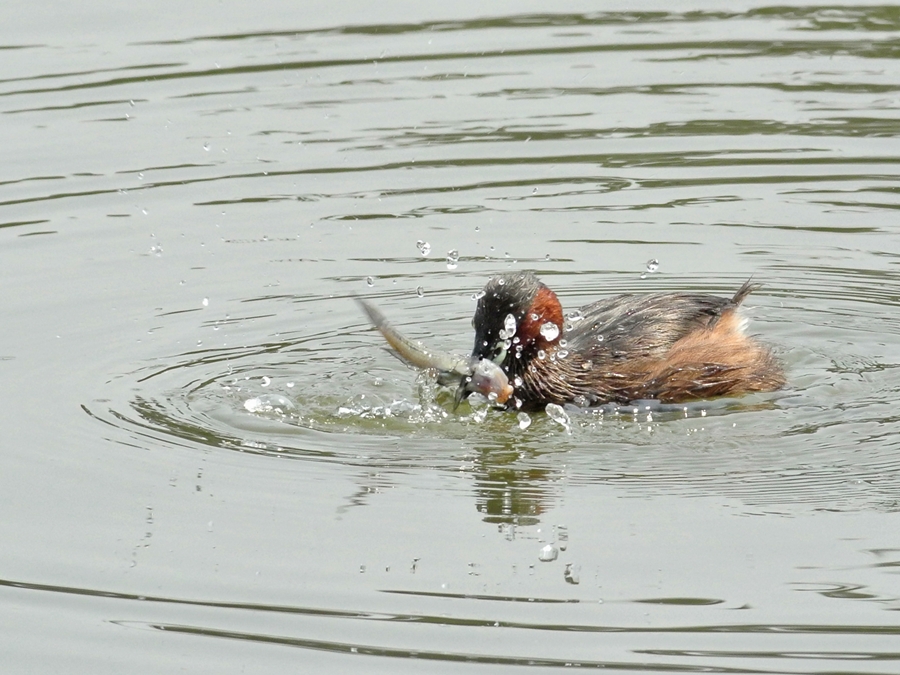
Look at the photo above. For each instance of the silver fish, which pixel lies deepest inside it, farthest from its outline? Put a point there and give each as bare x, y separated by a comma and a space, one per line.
470, 374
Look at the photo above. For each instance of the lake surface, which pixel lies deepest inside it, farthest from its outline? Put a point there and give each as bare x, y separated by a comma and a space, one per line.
209, 462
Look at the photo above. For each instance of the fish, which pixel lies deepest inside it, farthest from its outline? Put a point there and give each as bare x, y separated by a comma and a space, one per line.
468, 374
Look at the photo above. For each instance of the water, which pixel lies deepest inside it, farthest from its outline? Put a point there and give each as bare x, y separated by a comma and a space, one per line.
209, 461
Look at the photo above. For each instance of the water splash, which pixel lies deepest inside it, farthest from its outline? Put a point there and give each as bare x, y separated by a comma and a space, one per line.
268, 404
558, 415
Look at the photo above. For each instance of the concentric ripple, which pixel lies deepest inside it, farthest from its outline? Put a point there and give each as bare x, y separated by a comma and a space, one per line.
338, 396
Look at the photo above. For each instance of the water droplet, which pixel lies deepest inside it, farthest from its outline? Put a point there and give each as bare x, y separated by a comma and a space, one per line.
572, 574
652, 265
517, 381
524, 420
558, 415
424, 247
599, 338
370, 281
549, 553
509, 327
478, 296
562, 353
452, 259
550, 331
206, 146
542, 354
266, 380
420, 291
205, 302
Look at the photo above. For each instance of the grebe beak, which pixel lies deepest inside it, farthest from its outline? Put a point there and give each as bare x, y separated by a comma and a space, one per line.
487, 378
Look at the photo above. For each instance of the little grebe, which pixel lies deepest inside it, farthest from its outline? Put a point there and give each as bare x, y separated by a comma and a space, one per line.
668, 346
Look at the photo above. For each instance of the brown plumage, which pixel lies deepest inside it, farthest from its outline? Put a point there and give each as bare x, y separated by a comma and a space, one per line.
669, 346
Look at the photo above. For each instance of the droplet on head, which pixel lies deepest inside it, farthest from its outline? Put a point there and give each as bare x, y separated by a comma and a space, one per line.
509, 327
550, 331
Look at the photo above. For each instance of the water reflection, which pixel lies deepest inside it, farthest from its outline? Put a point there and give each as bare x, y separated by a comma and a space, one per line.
507, 492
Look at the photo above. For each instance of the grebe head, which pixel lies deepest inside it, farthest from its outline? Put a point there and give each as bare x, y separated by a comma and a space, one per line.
516, 316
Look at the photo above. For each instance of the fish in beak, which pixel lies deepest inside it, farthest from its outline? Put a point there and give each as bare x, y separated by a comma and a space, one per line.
470, 374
